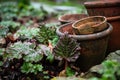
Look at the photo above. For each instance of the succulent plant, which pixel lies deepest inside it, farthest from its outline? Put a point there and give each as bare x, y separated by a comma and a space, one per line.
46, 34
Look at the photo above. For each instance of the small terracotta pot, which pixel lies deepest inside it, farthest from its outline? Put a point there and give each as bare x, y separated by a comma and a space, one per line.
71, 17
93, 46
90, 25
111, 10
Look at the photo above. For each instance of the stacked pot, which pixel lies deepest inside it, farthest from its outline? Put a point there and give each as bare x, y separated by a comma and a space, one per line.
110, 9
91, 32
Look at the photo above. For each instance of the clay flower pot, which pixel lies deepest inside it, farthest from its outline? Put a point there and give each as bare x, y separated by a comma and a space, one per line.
106, 8
111, 10
71, 17
90, 25
93, 46
114, 41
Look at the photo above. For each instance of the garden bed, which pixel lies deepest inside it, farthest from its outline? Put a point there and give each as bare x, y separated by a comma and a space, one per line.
30, 48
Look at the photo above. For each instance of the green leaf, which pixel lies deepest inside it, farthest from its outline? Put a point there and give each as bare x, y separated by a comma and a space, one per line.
25, 50
46, 34
67, 48
50, 56
31, 68
2, 50
33, 57
70, 72
27, 33
110, 70
10, 26
1, 63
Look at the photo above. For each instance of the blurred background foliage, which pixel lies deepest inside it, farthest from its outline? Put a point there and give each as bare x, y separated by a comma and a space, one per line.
76, 6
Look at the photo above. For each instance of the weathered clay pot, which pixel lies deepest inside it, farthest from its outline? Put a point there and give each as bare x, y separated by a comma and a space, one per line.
93, 46
90, 25
114, 41
71, 17
106, 8
111, 10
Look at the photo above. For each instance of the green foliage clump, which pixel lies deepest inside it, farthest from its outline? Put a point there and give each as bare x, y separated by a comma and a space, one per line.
3, 31
50, 56
70, 72
31, 11
46, 34
2, 50
27, 33
24, 50
27, 52
10, 26
8, 10
31, 68
110, 71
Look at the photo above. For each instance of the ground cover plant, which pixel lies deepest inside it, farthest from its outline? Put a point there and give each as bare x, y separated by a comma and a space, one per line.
31, 50
26, 44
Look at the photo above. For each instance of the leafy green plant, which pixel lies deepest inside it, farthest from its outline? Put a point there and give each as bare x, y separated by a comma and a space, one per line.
50, 56
8, 26
67, 48
70, 72
46, 34
110, 71
31, 68
3, 31
1, 63
27, 33
27, 52
2, 50
31, 11
8, 10
54, 41
23, 2
24, 50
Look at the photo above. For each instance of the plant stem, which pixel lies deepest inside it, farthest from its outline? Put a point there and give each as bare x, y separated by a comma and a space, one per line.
66, 63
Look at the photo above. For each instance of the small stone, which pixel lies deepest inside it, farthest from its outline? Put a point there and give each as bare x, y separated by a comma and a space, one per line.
114, 56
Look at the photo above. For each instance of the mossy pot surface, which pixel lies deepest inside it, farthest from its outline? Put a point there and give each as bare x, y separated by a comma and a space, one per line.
93, 46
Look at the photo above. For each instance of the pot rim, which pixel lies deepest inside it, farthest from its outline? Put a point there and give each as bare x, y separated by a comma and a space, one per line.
105, 3
60, 18
88, 36
114, 18
90, 17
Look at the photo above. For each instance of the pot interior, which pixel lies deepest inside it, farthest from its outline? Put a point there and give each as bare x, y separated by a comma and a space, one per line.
67, 28
91, 21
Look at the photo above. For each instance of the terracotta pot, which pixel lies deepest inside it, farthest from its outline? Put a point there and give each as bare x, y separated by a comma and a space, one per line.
106, 8
90, 25
111, 10
114, 41
93, 46
71, 17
